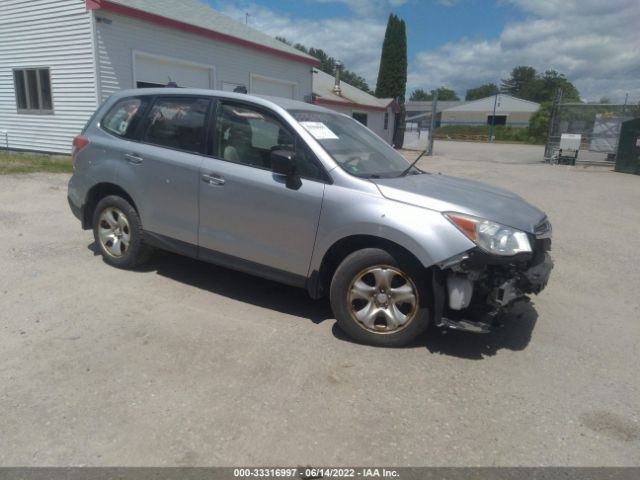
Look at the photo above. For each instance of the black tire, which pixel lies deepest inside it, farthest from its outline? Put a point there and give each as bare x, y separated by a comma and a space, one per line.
361, 265
136, 252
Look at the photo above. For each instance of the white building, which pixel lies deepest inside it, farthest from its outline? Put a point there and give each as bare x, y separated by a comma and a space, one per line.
510, 111
59, 59
379, 114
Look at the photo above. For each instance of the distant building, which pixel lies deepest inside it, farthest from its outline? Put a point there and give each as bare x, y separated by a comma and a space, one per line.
379, 114
509, 111
419, 112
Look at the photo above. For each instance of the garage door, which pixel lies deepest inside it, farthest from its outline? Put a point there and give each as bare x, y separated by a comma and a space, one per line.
273, 87
151, 70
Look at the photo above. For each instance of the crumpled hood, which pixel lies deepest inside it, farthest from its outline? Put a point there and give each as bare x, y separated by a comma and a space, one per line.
445, 193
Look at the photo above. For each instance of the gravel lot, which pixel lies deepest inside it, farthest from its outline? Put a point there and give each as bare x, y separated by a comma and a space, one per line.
186, 363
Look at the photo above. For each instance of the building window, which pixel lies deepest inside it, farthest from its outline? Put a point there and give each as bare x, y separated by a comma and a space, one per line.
498, 120
33, 90
386, 120
361, 117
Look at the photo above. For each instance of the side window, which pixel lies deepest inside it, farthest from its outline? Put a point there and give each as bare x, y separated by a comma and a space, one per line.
246, 135
177, 123
124, 117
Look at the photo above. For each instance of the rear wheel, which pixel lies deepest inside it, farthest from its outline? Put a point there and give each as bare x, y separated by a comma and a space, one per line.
379, 299
118, 233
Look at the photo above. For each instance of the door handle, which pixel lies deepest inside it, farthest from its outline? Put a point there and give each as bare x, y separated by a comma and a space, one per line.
133, 158
213, 179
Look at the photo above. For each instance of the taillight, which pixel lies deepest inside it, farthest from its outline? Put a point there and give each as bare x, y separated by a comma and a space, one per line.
78, 144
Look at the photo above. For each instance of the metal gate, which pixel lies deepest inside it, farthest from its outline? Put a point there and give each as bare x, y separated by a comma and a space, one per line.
598, 124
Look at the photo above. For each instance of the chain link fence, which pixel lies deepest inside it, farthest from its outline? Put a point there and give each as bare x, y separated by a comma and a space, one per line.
597, 124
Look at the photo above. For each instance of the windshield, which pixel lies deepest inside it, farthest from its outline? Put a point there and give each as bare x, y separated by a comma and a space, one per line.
354, 147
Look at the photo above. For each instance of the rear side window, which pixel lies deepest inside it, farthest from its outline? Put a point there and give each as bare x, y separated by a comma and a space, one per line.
178, 123
124, 117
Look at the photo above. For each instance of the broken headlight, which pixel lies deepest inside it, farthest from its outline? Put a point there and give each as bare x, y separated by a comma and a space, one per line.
491, 236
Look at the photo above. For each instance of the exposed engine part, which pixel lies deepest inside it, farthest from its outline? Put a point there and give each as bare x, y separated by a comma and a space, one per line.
460, 289
506, 293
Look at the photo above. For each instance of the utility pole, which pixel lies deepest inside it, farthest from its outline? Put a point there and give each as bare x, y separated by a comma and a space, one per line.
432, 127
493, 118
246, 18
624, 107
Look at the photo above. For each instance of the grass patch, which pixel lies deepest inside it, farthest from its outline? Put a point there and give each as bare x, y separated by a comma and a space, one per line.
16, 162
480, 133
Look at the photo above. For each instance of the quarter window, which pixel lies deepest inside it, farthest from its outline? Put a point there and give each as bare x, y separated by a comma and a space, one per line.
33, 90
124, 117
178, 123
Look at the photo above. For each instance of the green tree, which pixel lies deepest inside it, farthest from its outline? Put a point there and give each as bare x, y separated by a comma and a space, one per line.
522, 83
549, 83
483, 91
444, 94
392, 75
539, 123
528, 84
420, 95
328, 65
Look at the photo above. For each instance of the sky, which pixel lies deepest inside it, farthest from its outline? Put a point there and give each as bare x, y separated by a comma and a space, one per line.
462, 44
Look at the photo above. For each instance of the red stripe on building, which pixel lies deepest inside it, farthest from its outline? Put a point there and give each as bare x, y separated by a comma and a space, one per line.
186, 27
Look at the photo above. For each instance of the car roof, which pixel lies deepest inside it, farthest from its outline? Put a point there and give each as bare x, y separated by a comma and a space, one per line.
264, 100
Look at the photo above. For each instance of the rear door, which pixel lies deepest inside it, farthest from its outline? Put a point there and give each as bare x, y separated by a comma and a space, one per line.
249, 218
164, 167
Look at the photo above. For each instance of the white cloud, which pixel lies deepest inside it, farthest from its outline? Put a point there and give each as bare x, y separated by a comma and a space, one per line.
355, 41
594, 43
367, 7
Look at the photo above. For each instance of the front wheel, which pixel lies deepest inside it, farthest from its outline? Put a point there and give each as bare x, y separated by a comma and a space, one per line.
379, 299
118, 233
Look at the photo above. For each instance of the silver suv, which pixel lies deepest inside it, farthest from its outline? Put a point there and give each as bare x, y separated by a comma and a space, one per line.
305, 196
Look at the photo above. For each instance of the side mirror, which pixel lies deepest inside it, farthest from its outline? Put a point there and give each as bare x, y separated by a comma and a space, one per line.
283, 162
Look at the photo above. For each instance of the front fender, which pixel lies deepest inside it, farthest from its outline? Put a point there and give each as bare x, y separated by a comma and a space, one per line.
427, 234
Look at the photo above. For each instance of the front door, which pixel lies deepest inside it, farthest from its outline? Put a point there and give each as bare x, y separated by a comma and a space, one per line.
249, 217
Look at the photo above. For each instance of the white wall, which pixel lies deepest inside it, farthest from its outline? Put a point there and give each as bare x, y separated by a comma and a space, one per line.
55, 34
231, 63
375, 120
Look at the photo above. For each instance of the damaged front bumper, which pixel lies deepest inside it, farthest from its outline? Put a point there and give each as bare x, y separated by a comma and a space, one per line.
476, 288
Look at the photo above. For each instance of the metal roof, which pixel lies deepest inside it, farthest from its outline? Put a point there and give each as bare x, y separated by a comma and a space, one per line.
323, 84
202, 17
419, 107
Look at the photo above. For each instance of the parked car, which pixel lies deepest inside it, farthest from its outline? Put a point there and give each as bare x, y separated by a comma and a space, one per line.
305, 196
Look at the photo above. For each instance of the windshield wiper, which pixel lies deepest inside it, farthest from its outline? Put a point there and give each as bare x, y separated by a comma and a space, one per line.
412, 164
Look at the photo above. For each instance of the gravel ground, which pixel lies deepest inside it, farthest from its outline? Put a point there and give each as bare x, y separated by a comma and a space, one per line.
185, 363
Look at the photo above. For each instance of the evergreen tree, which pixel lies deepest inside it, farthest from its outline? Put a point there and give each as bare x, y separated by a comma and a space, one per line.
392, 75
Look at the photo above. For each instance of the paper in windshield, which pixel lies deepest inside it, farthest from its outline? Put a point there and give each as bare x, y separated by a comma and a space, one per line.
319, 130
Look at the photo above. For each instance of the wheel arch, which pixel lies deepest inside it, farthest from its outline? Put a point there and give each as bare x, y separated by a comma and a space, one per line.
97, 193
320, 279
